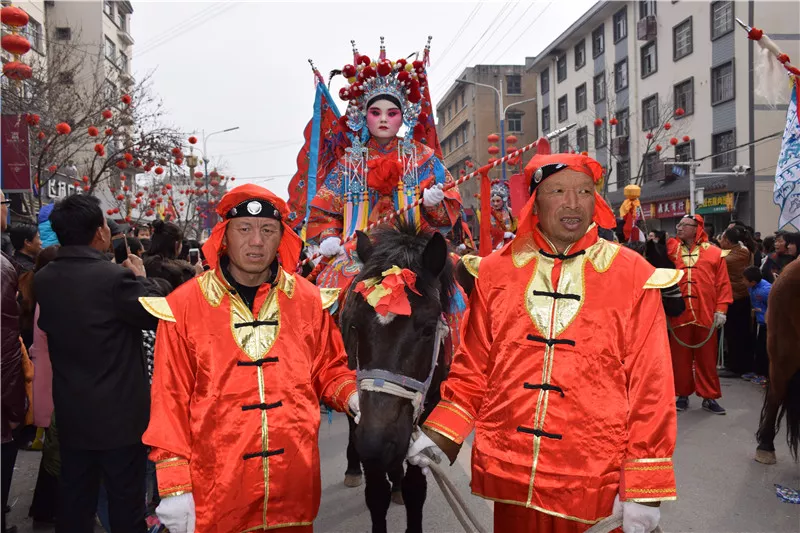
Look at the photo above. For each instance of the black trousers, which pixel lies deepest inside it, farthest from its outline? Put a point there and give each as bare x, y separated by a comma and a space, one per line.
762, 359
9, 457
739, 337
122, 471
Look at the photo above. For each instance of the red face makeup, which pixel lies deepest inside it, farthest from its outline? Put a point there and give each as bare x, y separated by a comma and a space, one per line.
384, 120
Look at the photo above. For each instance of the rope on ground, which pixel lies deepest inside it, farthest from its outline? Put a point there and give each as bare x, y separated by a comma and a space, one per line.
610, 523
456, 502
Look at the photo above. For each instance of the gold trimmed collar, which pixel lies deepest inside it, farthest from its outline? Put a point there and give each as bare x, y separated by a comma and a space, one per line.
214, 286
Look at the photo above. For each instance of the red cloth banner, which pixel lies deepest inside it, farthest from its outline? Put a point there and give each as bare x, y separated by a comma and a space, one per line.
518, 193
16, 167
486, 212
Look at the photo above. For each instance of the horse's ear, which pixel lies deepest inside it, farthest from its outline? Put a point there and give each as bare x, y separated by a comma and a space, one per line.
363, 246
435, 255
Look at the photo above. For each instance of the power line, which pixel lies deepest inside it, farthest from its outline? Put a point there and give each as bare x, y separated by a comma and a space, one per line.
508, 33
176, 30
460, 31
525, 31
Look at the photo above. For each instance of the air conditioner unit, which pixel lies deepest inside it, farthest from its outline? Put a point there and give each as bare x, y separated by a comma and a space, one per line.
619, 145
647, 28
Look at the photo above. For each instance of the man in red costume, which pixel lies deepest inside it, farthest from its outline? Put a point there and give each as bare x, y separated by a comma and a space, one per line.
243, 355
563, 370
706, 289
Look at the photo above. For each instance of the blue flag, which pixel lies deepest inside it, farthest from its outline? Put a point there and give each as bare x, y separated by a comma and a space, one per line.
787, 173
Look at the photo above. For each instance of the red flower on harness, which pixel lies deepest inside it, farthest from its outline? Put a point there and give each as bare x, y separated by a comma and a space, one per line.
384, 174
387, 294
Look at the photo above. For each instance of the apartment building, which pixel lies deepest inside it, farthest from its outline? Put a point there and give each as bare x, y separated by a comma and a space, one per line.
468, 113
634, 64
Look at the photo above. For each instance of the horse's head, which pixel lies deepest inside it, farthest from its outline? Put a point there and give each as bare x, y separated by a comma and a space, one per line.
395, 351
656, 254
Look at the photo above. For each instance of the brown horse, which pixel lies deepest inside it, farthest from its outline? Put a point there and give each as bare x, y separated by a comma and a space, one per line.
783, 339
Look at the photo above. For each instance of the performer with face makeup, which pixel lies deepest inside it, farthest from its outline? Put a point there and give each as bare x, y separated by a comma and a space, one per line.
381, 172
504, 225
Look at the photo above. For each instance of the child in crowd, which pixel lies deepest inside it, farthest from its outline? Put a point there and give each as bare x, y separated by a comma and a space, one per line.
759, 294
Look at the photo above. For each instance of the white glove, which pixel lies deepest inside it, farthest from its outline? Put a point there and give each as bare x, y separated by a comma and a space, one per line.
508, 235
352, 404
331, 247
462, 247
177, 513
421, 442
433, 196
637, 518
719, 319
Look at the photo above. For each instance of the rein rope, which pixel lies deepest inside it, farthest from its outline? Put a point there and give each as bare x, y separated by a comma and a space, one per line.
711, 331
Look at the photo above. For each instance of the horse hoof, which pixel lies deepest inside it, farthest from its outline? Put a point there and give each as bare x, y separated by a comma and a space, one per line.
352, 480
765, 457
397, 498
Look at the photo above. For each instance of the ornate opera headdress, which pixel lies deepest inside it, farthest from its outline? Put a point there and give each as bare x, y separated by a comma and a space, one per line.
500, 189
405, 81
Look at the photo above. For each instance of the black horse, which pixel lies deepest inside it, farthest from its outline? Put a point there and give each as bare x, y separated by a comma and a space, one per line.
397, 348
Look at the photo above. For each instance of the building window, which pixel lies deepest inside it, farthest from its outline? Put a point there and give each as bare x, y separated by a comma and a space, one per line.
563, 144
580, 54
514, 84
463, 99
561, 67
562, 108
598, 41
33, 31
621, 75
684, 96
682, 39
63, 34
449, 112
684, 151
600, 134
109, 91
649, 59
724, 154
582, 140
122, 21
650, 113
620, 24
647, 8
651, 165
111, 51
599, 83
623, 122
123, 62
623, 171
580, 98
545, 119
721, 19
108, 8
464, 135
514, 121
722, 83
545, 79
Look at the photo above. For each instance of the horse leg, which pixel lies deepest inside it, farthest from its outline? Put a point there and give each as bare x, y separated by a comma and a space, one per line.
765, 452
352, 476
415, 489
396, 477
377, 495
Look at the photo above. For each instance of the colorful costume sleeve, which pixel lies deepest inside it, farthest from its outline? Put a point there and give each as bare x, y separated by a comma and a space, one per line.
326, 213
647, 471
442, 216
723, 286
332, 380
462, 392
169, 434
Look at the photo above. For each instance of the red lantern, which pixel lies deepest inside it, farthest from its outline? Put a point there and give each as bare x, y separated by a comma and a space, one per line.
686, 138
176, 151
658, 148
492, 160
598, 122
122, 165
179, 161
511, 149
128, 157
126, 99
109, 132
192, 140
511, 139
107, 114
99, 148
613, 121
159, 170
494, 150
469, 164
214, 183
52, 168
214, 174
120, 197
673, 141
233, 178
180, 204
148, 213
62, 128
667, 126
40, 135
152, 203
14, 17
137, 163
15, 44
32, 120
122, 177
77, 184
463, 172
85, 179
680, 112
198, 174
109, 211
85, 188
138, 201
168, 186
125, 188
15, 70
93, 132
493, 138
648, 136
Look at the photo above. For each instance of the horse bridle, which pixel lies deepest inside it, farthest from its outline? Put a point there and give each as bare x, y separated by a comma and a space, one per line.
399, 385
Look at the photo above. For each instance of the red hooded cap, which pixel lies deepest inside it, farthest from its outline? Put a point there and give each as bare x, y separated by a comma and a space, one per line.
543, 165
291, 244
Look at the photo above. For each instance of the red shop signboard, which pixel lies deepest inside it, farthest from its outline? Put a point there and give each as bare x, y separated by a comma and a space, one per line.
668, 209
16, 168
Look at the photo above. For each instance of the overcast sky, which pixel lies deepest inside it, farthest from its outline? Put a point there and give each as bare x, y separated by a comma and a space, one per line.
226, 64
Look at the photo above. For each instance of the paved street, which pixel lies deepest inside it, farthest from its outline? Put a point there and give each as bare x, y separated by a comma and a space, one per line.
720, 487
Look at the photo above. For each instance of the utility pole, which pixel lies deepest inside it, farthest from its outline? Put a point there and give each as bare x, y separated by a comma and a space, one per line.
737, 170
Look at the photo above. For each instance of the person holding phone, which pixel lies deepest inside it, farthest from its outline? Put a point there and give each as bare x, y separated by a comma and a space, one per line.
89, 309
